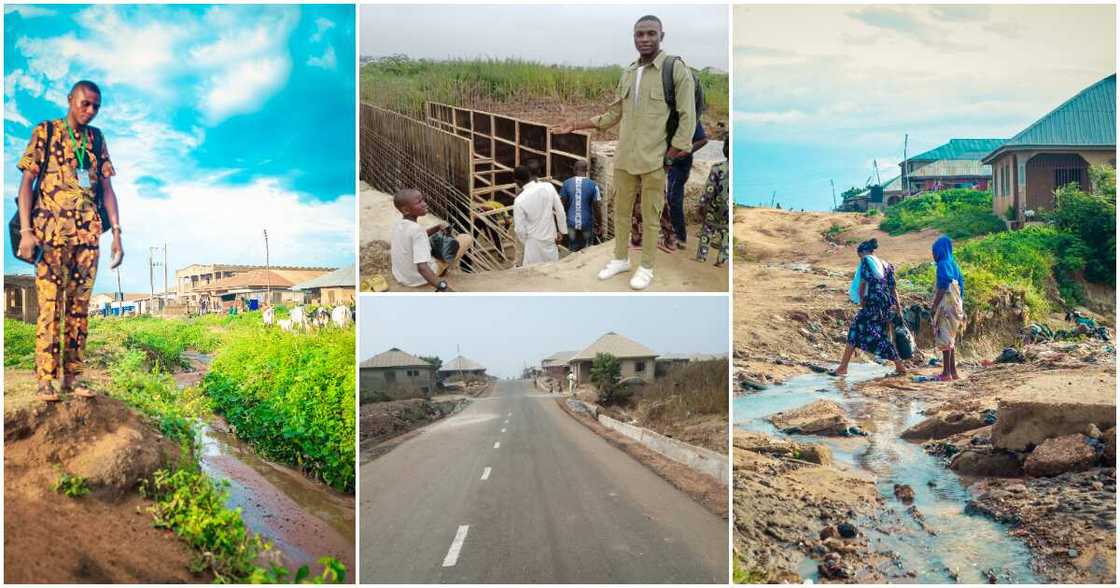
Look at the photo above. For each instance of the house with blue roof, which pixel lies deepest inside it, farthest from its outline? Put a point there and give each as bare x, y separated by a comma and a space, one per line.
1055, 150
956, 164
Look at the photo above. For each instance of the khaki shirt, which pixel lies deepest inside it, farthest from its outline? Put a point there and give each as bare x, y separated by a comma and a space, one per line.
641, 138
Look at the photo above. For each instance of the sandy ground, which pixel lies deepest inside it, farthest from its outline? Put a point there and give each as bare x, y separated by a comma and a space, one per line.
674, 272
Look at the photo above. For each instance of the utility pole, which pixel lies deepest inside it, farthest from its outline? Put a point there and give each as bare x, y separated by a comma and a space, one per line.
151, 280
120, 292
773, 194
164, 271
878, 180
267, 272
905, 164
833, 184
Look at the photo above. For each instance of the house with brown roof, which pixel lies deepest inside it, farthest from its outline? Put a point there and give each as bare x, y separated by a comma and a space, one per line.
637, 360
1055, 150
556, 365
275, 285
195, 280
331, 288
461, 368
394, 375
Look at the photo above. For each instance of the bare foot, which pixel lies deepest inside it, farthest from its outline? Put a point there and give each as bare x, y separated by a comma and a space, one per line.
47, 394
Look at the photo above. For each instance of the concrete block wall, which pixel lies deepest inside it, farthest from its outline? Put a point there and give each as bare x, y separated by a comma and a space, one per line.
699, 459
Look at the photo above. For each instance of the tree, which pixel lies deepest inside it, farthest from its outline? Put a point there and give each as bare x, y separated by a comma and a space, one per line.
1093, 218
606, 371
435, 361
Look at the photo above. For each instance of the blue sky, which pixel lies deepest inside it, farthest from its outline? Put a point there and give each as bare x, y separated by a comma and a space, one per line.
221, 121
504, 333
823, 91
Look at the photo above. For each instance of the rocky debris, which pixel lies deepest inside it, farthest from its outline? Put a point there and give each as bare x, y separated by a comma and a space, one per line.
821, 417
904, 493
942, 426
767, 445
1051, 406
1108, 458
99, 439
787, 509
380, 421
987, 462
582, 407
1069, 453
1069, 521
1010, 355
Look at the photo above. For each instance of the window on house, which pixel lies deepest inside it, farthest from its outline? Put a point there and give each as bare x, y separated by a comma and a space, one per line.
1063, 176
391, 376
639, 366
413, 373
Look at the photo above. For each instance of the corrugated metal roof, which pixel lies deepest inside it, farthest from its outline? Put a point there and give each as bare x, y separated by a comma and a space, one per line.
616, 345
461, 364
960, 149
951, 168
341, 277
395, 358
1086, 120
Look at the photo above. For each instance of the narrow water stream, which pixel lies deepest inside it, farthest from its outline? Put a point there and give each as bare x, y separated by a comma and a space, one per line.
950, 545
302, 518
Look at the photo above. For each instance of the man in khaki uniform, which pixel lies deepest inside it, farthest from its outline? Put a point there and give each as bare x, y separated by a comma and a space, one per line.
644, 147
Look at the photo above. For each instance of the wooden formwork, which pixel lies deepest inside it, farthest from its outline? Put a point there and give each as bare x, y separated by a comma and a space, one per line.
463, 161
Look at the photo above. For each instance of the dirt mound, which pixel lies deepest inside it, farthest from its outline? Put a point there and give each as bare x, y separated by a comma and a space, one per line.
99, 439
381, 422
106, 536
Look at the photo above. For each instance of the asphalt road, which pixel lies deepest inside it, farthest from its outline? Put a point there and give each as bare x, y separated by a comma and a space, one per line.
513, 490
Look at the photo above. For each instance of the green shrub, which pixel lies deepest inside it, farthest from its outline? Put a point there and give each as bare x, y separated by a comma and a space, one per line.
70, 485
291, 396
1093, 218
19, 344
606, 371
959, 213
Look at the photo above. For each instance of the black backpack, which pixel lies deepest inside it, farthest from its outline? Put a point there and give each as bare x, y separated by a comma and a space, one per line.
670, 85
36, 188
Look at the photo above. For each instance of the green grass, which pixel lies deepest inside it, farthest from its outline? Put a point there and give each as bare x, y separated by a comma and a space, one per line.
742, 575
403, 84
1039, 262
958, 213
19, 344
70, 485
291, 396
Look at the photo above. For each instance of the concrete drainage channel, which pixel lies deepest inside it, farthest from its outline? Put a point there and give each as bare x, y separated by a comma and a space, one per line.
698, 459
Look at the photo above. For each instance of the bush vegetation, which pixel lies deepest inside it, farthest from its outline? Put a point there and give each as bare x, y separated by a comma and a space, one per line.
19, 344
958, 213
403, 84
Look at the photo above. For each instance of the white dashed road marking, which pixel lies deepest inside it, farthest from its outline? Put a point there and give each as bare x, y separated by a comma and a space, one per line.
497, 444
456, 546
486, 473
503, 429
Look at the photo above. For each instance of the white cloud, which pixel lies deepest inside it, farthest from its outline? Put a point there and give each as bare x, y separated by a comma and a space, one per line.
12, 114
326, 61
241, 89
322, 25
28, 11
204, 223
785, 116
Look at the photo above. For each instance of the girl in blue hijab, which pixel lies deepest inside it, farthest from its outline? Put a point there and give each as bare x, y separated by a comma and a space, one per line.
948, 306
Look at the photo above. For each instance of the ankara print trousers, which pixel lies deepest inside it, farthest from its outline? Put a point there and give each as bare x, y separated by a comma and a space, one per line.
63, 282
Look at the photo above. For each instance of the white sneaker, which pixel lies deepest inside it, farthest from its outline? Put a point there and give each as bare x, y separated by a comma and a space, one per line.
613, 268
641, 278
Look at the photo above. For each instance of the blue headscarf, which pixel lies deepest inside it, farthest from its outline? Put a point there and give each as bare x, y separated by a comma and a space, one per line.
947, 268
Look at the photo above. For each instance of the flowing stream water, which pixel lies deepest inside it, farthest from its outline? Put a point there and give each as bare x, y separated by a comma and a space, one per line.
302, 518
950, 545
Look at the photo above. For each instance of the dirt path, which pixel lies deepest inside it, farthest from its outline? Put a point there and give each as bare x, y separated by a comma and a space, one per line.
676, 272
104, 537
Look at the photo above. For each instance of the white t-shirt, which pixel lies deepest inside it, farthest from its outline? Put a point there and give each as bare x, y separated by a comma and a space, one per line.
410, 246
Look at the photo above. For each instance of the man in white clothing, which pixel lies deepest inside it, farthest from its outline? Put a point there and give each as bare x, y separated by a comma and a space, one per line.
537, 212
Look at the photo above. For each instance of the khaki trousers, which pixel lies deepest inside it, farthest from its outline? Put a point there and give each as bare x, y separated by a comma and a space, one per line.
651, 187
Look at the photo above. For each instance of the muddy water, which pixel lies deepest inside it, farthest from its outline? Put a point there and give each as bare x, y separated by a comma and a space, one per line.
303, 519
946, 545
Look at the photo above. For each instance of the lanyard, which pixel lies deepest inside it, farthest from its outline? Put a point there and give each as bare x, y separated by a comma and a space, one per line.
79, 148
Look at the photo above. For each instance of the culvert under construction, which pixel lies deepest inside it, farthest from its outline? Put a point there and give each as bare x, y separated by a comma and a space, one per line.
463, 159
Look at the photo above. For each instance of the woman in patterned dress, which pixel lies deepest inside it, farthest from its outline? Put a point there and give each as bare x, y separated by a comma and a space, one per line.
874, 288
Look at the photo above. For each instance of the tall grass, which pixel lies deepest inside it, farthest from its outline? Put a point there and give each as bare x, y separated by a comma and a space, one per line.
403, 84
19, 344
693, 389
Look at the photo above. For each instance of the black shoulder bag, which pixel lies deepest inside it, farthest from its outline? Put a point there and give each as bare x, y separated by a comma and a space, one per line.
14, 224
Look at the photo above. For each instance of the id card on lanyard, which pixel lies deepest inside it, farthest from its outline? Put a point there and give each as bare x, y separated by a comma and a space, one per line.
81, 154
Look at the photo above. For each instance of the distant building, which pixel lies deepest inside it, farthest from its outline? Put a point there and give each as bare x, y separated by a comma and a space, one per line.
874, 197
259, 284
556, 365
637, 360
1055, 150
956, 164
393, 375
332, 288
192, 281
461, 367
666, 363
21, 301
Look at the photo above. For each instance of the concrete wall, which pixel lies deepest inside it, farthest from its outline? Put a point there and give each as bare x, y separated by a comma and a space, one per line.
396, 383
699, 459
